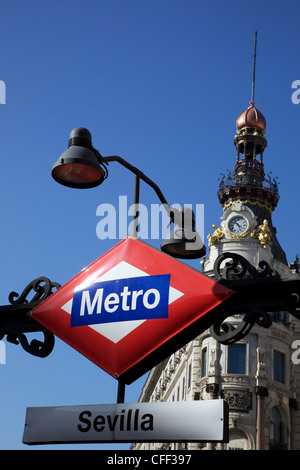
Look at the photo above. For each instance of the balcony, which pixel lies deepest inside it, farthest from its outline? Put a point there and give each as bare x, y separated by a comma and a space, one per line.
248, 178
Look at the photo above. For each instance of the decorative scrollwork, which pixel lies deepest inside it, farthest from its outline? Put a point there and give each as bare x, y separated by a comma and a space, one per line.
237, 267
15, 321
229, 333
42, 286
259, 293
35, 347
293, 304
233, 267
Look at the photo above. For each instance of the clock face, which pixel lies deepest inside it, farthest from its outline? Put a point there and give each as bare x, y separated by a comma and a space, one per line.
238, 225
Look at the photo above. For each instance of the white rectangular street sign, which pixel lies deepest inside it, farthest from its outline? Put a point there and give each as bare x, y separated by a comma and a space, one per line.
205, 420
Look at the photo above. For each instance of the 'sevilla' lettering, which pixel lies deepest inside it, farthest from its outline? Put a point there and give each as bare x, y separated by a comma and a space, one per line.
137, 298
127, 420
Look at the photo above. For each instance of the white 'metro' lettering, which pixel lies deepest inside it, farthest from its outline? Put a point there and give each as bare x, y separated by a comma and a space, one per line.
112, 301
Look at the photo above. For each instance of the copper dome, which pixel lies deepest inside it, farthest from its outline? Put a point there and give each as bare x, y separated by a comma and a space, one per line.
251, 117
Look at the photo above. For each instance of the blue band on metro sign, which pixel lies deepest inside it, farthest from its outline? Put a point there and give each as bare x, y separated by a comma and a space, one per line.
128, 349
136, 298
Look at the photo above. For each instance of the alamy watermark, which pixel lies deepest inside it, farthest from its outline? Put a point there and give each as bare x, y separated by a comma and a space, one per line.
154, 224
296, 353
2, 92
2, 352
296, 94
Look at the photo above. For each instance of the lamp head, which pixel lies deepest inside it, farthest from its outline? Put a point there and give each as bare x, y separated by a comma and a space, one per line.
184, 241
79, 166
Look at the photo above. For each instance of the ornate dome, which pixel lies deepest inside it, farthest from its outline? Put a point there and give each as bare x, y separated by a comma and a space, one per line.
251, 117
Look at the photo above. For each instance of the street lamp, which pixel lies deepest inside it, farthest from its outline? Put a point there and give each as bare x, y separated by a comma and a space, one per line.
82, 166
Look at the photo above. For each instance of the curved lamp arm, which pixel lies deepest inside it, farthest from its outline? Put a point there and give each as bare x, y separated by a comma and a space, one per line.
140, 175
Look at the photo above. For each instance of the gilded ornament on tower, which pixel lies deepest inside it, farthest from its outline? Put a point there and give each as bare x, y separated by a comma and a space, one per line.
217, 235
263, 233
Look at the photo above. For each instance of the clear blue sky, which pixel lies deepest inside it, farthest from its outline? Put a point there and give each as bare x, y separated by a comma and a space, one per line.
159, 82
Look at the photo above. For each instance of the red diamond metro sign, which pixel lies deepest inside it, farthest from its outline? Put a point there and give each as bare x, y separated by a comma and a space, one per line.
131, 308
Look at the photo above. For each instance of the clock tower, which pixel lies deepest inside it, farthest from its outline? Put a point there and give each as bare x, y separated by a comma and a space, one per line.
248, 197
254, 375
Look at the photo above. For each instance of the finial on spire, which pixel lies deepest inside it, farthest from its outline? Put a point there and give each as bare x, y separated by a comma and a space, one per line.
254, 65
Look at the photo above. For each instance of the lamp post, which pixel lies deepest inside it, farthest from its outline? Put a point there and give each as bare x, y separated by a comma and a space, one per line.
81, 166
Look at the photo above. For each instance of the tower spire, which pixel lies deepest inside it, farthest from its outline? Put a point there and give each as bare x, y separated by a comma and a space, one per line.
248, 182
254, 66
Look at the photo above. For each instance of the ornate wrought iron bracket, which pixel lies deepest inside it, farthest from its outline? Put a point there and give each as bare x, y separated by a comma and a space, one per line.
258, 293
15, 321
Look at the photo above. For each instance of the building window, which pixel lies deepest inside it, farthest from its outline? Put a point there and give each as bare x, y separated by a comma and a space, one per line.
236, 359
189, 376
204, 362
280, 317
279, 367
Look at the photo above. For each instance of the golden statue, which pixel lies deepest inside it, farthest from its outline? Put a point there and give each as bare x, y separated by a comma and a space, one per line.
217, 235
263, 233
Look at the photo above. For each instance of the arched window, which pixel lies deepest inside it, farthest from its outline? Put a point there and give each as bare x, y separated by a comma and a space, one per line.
237, 440
279, 366
277, 431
